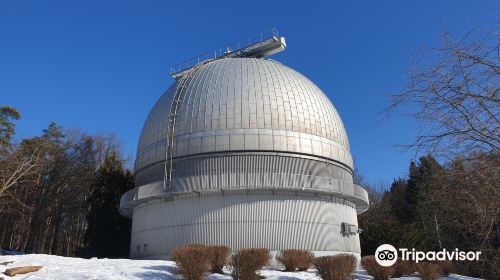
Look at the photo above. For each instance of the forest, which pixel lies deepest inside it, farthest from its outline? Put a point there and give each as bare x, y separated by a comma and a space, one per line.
450, 197
60, 190
455, 205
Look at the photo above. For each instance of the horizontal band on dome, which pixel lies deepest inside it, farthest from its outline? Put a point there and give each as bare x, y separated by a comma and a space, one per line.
246, 162
245, 139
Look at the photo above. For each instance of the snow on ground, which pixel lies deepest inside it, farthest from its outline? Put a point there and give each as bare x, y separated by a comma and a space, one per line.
63, 268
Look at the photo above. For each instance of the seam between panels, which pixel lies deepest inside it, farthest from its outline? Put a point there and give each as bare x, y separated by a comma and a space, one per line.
268, 74
210, 95
333, 132
276, 86
202, 107
238, 107
291, 91
261, 72
229, 77
195, 93
199, 95
228, 65
302, 100
256, 74
216, 94
290, 97
231, 90
312, 102
192, 88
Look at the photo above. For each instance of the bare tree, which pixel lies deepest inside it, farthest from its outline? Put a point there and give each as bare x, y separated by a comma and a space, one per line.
467, 210
15, 169
453, 92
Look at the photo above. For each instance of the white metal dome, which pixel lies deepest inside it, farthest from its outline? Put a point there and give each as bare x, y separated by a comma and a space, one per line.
253, 154
246, 104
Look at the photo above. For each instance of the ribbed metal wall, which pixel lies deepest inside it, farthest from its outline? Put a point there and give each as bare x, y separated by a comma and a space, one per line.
242, 221
232, 170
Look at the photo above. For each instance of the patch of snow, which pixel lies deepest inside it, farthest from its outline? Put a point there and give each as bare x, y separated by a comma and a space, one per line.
64, 268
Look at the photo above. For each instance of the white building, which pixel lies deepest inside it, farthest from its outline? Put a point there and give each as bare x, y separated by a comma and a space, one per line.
244, 152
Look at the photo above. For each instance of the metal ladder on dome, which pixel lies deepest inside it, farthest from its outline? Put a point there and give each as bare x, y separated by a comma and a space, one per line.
169, 149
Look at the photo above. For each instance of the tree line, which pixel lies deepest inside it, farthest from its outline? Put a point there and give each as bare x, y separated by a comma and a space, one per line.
451, 196
455, 205
60, 191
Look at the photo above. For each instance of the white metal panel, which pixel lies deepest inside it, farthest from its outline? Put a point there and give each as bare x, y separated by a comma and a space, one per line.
243, 221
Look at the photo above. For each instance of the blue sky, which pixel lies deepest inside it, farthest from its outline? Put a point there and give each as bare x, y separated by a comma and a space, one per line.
101, 65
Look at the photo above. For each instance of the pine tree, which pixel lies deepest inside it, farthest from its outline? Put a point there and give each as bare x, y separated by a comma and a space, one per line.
398, 198
108, 233
426, 180
7, 127
424, 176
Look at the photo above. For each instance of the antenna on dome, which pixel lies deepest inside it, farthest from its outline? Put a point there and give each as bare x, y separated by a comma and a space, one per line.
263, 44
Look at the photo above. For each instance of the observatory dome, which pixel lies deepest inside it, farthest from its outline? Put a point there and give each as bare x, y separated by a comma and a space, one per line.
243, 152
245, 104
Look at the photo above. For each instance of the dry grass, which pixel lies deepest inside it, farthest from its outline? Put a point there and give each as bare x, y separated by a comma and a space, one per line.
374, 269
192, 261
402, 268
295, 259
447, 267
246, 262
339, 267
217, 257
429, 271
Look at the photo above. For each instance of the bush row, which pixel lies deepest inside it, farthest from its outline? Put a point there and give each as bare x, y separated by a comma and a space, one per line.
426, 270
193, 261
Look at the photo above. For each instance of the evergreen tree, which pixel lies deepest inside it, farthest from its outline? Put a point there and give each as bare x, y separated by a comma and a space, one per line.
7, 127
108, 233
424, 176
53, 134
398, 198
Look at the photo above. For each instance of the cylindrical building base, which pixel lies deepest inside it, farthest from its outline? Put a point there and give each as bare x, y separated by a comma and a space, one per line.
252, 220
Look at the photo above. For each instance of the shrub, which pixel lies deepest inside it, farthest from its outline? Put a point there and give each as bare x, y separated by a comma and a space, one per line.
402, 268
295, 259
217, 256
374, 269
192, 261
339, 267
447, 267
429, 271
246, 262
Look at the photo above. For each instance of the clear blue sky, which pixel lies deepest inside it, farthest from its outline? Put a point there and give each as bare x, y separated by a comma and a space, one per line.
101, 65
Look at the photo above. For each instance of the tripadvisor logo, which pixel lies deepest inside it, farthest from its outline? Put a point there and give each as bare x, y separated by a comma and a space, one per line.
387, 255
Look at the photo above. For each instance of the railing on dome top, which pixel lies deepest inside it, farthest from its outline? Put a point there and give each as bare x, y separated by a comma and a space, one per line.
253, 46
